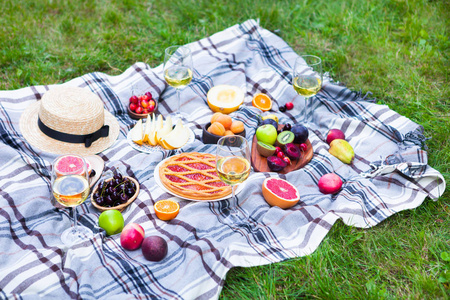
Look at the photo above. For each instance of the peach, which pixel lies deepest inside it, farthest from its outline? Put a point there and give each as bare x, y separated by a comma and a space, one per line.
237, 126
330, 183
132, 236
217, 129
225, 120
228, 132
215, 116
335, 134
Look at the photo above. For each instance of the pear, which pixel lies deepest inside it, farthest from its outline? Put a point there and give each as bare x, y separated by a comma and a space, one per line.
137, 133
342, 150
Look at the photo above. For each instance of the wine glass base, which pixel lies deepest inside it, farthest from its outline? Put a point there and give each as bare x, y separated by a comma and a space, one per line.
73, 235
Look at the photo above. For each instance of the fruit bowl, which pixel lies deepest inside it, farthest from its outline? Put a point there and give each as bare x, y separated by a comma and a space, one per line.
122, 206
210, 138
136, 116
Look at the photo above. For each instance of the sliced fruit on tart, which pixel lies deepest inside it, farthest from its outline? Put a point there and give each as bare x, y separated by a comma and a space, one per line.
193, 175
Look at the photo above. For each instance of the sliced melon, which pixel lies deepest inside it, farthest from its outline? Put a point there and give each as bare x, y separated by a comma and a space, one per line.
225, 98
137, 133
178, 137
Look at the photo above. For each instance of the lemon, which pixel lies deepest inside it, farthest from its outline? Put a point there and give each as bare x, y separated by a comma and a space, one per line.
225, 98
271, 116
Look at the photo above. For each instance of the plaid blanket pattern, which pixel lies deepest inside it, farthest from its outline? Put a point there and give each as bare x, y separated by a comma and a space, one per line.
389, 174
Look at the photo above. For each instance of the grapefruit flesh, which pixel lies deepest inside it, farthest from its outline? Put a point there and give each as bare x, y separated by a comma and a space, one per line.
279, 192
70, 164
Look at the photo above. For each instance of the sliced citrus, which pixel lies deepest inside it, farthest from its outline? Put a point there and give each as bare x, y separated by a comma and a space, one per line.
166, 209
262, 101
225, 98
279, 192
70, 164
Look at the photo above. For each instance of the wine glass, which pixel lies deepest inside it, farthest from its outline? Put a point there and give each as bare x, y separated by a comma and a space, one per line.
70, 187
307, 77
178, 69
233, 164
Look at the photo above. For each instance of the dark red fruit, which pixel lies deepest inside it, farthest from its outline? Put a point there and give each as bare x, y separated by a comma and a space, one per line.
154, 248
133, 106
292, 151
280, 154
277, 149
303, 147
300, 132
276, 164
134, 99
287, 127
149, 95
282, 108
289, 105
287, 160
139, 110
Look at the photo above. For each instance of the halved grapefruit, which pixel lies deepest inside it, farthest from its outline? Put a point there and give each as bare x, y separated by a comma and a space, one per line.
225, 98
70, 164
279, 192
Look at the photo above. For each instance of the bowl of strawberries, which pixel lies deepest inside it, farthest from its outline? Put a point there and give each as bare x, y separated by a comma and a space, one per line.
140, 106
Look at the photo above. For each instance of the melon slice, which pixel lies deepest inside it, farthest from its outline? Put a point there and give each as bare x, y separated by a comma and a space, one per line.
152, 140
178, 137
165, 130
137, 133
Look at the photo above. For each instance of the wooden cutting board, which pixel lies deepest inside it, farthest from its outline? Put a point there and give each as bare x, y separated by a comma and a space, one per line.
259, 162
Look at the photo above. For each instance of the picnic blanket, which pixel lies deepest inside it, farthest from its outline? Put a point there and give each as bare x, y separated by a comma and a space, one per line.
389, 174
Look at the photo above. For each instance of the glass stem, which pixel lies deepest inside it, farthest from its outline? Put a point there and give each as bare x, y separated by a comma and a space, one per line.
233, 200
179, 103
74, 229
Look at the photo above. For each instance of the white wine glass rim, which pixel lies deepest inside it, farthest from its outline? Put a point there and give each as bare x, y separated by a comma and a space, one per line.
244, 143
317, 59
173, 49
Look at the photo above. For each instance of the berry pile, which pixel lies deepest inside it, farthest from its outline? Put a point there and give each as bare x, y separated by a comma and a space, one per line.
115, 191
144, 104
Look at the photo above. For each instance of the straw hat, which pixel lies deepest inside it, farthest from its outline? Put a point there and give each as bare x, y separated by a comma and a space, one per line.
69, 120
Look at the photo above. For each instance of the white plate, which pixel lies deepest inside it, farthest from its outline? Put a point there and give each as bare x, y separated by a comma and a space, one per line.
98, 165
161, 185
150, 149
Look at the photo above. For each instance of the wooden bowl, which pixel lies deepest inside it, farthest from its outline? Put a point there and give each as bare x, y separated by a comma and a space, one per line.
136, 116
210, 138
120, 207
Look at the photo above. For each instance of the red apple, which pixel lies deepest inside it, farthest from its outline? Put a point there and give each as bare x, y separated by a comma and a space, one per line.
132, 236
335, 134
330, 183
133, 106
139, 110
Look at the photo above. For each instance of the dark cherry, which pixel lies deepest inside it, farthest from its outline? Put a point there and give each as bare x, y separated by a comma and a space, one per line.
287, 127
124, 198
282, 108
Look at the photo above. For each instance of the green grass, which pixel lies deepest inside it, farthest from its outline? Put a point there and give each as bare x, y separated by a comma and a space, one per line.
398, 50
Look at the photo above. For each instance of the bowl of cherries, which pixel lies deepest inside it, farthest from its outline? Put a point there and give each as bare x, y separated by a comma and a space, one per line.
116, 192
140, 106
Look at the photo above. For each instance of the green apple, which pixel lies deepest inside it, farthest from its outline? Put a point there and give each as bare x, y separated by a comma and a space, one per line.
267, 134
112, 221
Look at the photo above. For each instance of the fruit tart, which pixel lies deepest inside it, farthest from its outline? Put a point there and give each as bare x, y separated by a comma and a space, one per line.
193, 175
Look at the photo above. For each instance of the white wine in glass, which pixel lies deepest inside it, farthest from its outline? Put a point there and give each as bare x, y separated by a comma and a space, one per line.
233, 165
70, 187
307, 77
178, 69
